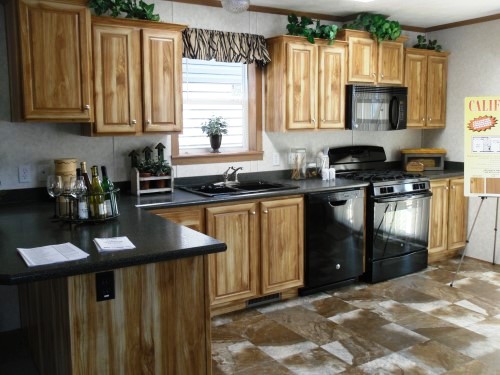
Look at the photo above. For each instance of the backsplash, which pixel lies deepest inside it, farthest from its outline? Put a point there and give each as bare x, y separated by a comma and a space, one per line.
38, 144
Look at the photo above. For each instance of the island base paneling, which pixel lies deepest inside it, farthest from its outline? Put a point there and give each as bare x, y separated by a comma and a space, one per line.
158, 322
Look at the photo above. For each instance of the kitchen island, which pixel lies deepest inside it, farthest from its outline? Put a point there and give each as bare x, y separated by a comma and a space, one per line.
158, 321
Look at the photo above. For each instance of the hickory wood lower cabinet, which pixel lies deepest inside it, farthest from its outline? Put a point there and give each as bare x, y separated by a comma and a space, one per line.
265, 248
158, 323
448, 218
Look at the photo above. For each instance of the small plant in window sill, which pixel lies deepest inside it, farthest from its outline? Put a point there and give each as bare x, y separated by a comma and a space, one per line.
214, 128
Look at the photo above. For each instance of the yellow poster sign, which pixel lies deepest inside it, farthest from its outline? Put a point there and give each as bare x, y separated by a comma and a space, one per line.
482, 146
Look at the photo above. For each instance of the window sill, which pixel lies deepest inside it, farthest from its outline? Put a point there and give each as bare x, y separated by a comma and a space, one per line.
217, 158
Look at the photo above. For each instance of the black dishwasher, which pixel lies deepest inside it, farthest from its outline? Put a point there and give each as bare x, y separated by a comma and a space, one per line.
334, 239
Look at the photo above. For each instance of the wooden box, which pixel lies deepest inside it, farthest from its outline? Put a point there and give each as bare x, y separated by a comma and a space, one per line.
138, 183
431, 158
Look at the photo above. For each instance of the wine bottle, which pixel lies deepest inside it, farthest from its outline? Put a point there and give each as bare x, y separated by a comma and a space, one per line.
82, 197
83, 167
96, 197
110, 196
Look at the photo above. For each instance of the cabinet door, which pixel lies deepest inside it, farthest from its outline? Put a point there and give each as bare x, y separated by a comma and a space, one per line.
436, 91
191, 217
282, 242
390, 63
301, 78
162, 80
55, 54
457, 220
331, 82
416, 81
362, 60
438, 222
117, 79
233, 273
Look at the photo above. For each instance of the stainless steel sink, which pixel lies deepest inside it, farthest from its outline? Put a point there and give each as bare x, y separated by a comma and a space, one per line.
236, 188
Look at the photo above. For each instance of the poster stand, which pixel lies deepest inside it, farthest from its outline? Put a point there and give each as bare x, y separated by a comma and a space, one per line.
470, 234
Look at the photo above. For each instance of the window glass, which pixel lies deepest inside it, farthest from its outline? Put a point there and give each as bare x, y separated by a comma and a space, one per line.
213, 88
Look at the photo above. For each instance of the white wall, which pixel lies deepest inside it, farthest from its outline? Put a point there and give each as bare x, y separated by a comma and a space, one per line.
38, 144
473, 70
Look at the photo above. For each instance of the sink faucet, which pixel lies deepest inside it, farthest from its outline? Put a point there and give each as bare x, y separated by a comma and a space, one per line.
234, 175
231, 176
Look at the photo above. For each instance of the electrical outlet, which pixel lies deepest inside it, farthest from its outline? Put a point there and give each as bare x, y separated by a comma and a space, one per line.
24, 173
276, 158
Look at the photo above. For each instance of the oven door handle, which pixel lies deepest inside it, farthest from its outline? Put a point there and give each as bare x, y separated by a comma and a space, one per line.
405, 197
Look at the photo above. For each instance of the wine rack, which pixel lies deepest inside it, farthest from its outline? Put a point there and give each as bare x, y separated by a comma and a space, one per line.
138, 183
66, 207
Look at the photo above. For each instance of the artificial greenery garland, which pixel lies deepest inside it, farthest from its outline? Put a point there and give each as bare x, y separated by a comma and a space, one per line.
377, 25
132, 9
302, 28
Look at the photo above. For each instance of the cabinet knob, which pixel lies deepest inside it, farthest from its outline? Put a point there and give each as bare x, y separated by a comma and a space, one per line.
446, 188
265, 211
134, 122
86, 106
337, 267
382, 75
252, 212
430, 119
423, 119
313, 121
148, 122
374, 75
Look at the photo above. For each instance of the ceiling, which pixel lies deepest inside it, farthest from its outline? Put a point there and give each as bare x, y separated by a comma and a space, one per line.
420, 14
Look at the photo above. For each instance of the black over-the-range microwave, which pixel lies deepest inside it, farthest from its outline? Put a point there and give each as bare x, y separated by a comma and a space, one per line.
376, 107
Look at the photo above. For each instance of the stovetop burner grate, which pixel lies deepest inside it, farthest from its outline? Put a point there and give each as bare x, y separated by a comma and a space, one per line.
379, 175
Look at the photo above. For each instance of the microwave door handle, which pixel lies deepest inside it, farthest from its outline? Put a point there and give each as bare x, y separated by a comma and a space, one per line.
394, 113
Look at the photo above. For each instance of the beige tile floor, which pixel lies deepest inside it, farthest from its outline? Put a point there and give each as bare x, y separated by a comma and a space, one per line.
416, 324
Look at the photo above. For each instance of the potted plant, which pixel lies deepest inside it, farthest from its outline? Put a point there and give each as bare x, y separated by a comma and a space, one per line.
145, 168
160, 168
214, 128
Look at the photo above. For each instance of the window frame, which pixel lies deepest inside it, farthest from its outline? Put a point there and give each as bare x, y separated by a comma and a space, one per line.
255, 152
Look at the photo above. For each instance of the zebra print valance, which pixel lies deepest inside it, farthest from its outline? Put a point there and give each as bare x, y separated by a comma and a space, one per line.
225, 46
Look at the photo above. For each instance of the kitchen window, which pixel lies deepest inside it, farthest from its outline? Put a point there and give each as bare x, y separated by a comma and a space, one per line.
230, 90
221, 78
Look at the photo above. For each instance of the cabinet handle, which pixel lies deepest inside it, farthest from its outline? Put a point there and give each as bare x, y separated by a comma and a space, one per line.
134, 122
252, 212
86, 106
265, 211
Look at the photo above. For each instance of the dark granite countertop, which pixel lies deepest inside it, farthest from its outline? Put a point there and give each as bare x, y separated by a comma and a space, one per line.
156, 239
29, 225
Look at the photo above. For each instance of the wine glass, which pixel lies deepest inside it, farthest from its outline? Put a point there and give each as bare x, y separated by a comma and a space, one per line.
78, 187
54, 188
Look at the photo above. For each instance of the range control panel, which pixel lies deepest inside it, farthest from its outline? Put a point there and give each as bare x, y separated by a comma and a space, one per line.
400, 188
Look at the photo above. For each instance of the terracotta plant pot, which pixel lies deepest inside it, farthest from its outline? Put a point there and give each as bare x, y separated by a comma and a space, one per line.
160, 184
144, 185
215, 141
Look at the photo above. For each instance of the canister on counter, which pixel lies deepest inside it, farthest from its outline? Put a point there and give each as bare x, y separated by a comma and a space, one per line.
66, 168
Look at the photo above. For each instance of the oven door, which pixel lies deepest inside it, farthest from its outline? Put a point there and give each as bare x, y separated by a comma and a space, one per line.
400, 225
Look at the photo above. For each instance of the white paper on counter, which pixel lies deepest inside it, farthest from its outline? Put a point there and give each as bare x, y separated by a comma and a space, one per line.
64, 252
113, 243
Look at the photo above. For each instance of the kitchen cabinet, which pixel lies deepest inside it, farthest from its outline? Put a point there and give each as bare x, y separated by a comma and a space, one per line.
304, 84
426, 76
234, 274
371, 62
265, 248
137, 76
49, 60
448, 218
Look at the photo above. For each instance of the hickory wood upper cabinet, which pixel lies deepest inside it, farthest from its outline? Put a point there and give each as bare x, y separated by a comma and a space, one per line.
448, 218
371, 62
49, 60
425, 76
137, 76
304, 84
